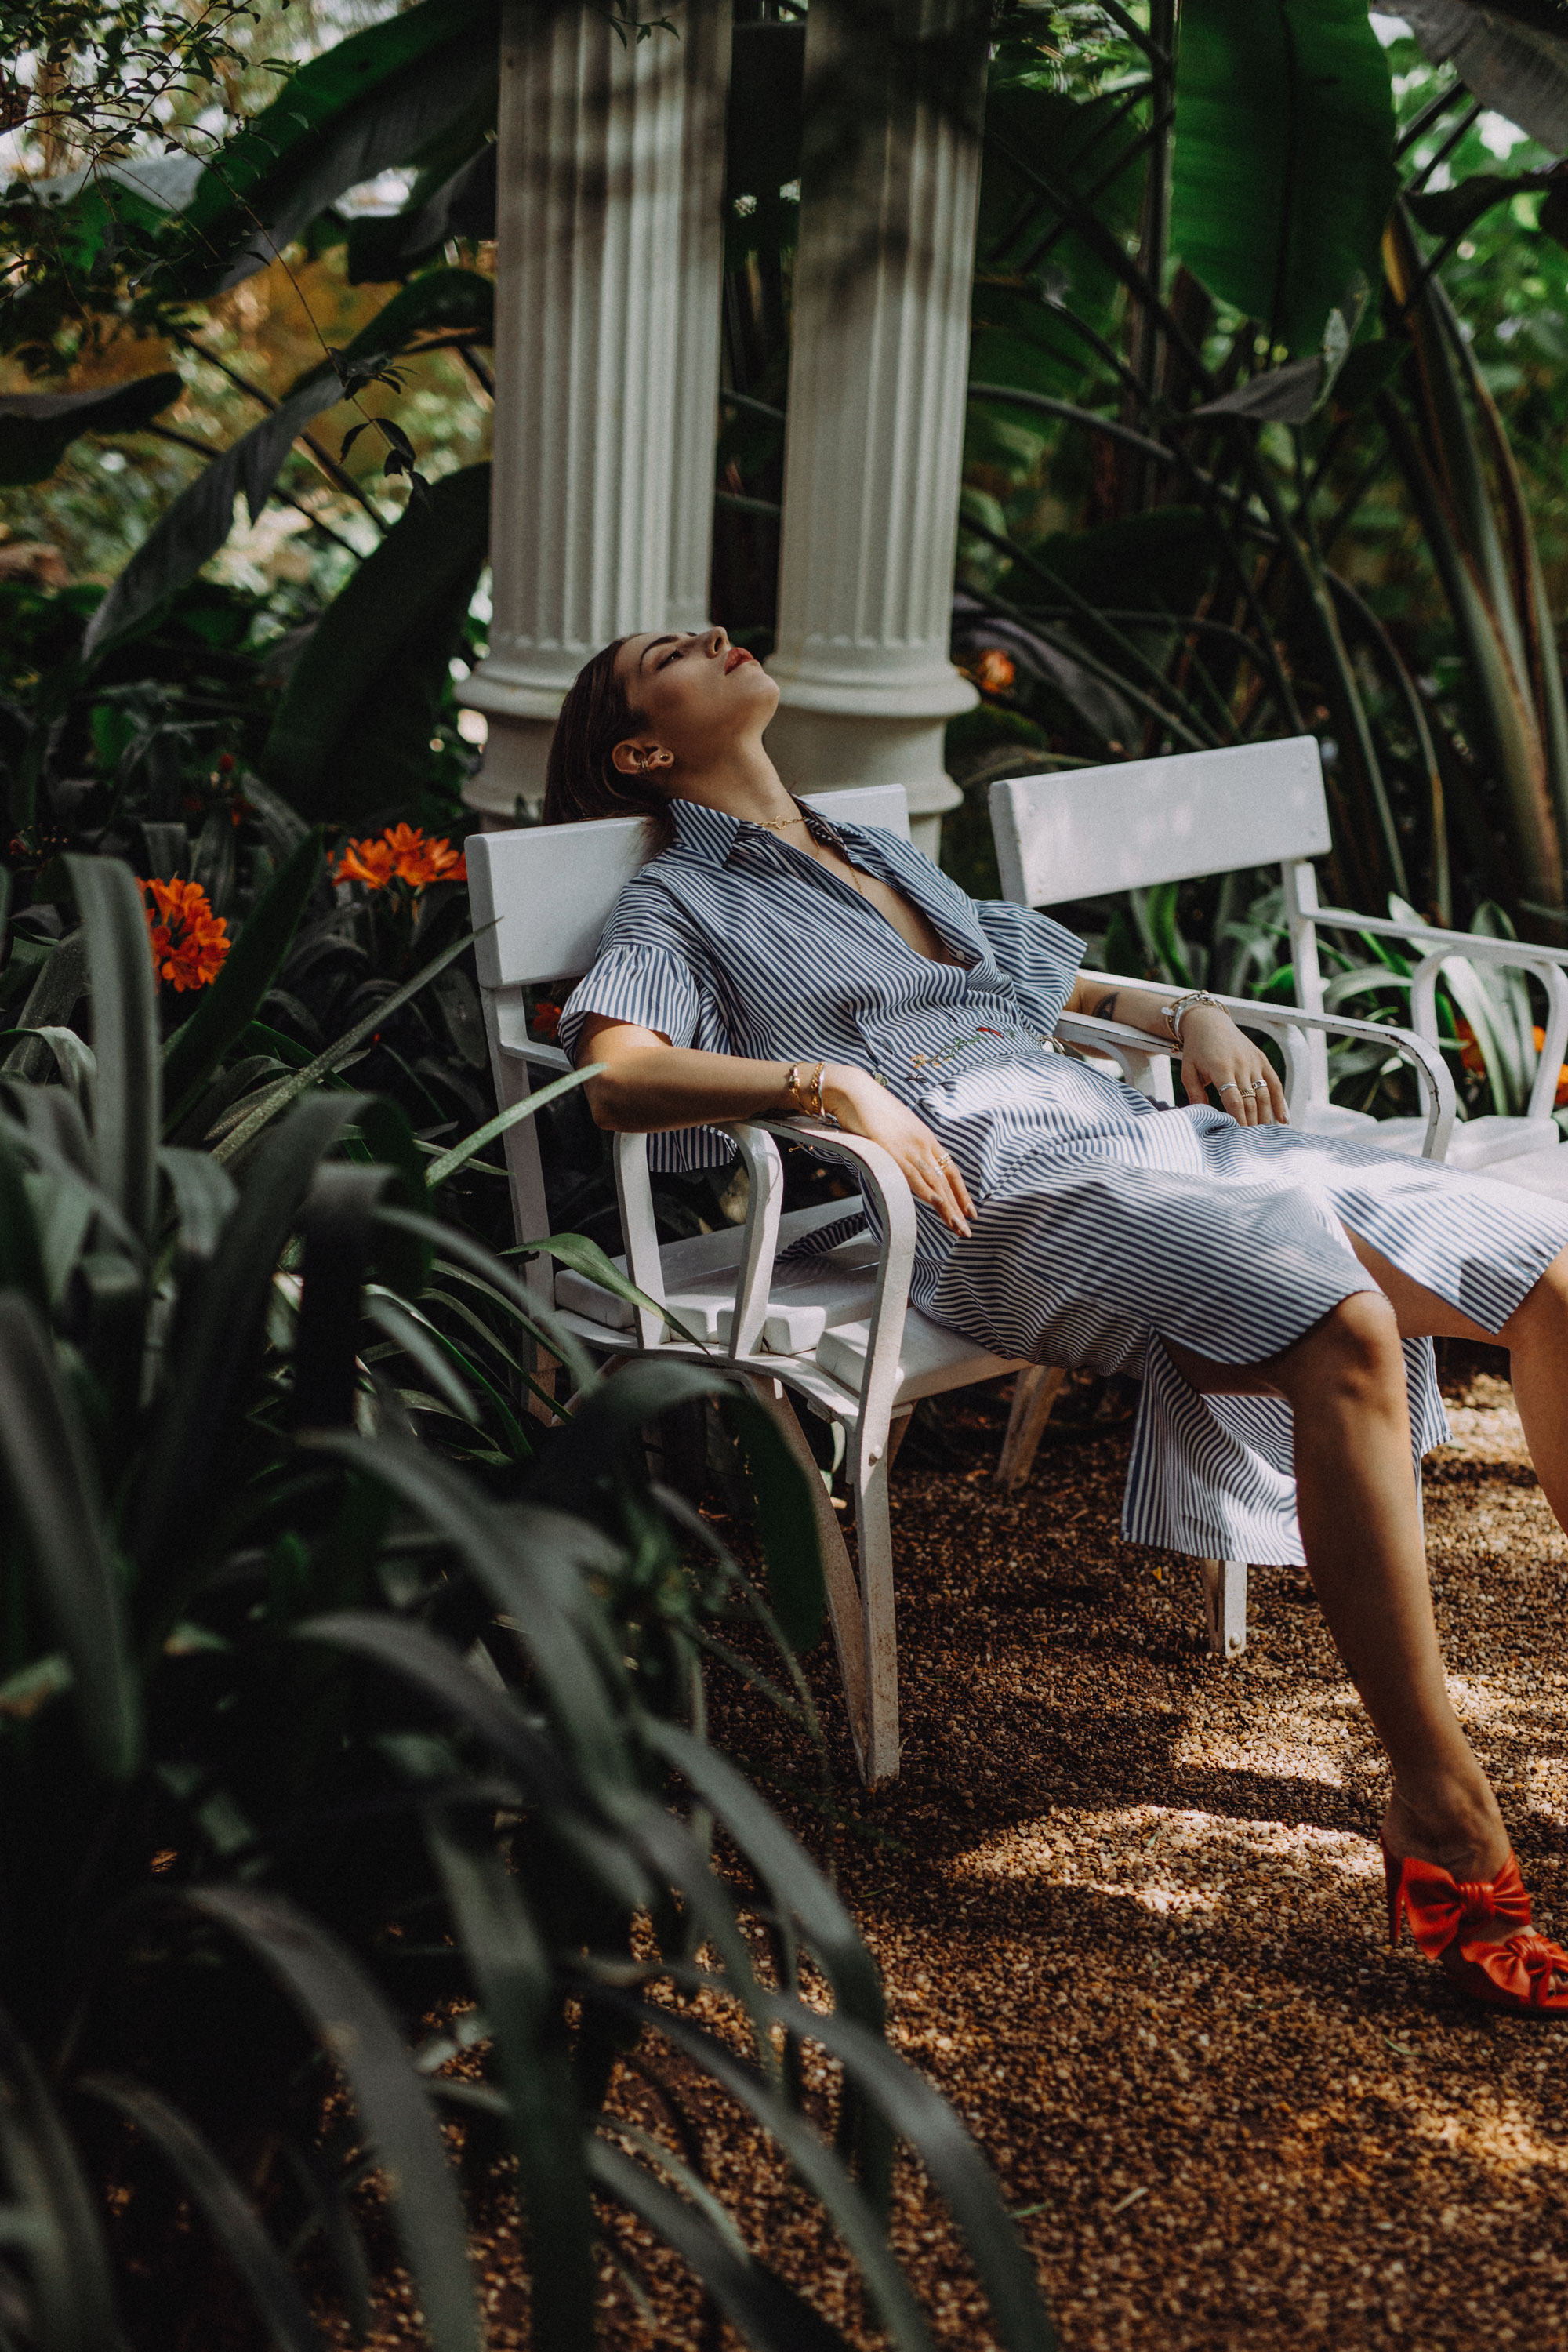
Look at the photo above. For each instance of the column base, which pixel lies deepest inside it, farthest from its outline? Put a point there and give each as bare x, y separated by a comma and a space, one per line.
511, 771
835, 751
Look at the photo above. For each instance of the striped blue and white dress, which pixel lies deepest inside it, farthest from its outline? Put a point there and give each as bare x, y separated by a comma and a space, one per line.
1106, 1225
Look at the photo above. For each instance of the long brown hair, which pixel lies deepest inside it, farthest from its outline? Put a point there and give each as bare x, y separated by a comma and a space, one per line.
581, 779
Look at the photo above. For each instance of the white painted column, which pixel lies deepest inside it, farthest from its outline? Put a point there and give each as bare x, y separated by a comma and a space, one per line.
880, 349
705, 27
594, 296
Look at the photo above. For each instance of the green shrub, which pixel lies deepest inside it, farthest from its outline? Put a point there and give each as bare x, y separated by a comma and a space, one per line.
350, 1713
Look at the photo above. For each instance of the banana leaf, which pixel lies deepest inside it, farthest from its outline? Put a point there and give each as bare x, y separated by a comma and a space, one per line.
1515, 58
1283, 171
37, 428
368, 103
351, 736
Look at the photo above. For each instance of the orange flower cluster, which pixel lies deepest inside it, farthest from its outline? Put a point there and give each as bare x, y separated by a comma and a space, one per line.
1475, 1061
992, 669
403, 853
189, 941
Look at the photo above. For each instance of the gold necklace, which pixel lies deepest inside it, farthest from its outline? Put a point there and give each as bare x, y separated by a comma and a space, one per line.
780, 824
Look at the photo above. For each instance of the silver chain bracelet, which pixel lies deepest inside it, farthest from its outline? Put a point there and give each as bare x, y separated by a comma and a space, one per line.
1175, 1014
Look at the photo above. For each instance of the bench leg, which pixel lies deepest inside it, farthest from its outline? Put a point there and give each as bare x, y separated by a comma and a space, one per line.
874, 1536
1034, 1392
1225, 1605
844, 1610
897, 1430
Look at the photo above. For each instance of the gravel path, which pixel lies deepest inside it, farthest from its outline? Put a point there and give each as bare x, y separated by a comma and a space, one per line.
1128, 1906
1132, 1923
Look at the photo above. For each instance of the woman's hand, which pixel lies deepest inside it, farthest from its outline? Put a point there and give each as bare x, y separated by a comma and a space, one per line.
1215, 1054
859, 1104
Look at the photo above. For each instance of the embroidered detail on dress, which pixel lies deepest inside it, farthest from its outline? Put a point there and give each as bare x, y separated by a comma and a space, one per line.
1011, 1036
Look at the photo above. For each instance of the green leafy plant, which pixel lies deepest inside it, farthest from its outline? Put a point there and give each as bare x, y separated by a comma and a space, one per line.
350, 1720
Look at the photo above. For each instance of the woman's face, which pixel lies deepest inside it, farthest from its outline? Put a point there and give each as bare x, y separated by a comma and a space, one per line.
699, 695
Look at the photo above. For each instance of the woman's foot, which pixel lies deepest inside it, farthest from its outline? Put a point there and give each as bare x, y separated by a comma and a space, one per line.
1457, 1826
1455, 1878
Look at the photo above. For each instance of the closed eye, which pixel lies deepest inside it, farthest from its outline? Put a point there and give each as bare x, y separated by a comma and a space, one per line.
673, 657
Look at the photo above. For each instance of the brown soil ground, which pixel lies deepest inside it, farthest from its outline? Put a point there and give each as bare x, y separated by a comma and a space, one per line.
1128, 1907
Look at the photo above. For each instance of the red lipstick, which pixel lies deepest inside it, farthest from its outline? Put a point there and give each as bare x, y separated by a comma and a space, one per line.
736, 653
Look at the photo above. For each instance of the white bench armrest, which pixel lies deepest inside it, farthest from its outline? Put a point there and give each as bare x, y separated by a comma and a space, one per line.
880, 1175
1289, 1027
893, 1203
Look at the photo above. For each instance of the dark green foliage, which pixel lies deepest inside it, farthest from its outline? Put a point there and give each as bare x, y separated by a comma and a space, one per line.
197, 525
352, 734
369, 102
1284, 157
463, 205
343, 1698
37, 428
1040, 140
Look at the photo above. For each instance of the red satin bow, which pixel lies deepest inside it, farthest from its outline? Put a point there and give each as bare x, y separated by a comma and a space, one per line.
1441, 1907
1446, 1916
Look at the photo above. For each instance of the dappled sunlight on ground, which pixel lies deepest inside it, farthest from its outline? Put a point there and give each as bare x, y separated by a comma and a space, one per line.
1136, 1927
1128, 1905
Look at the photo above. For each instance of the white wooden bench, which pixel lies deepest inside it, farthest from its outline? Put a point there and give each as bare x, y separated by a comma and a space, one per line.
1092, 831
834, 1330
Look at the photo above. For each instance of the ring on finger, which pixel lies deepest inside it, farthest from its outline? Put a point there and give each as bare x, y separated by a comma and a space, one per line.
1260, 1086
1230, 1088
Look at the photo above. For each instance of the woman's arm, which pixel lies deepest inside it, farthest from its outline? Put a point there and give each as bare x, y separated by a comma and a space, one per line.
646, 1084
1214, 1051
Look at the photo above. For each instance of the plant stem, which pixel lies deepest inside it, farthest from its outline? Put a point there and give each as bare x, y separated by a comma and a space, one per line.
336, 473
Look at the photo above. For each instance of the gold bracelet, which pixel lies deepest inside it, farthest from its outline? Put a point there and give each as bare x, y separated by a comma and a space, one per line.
808, 1101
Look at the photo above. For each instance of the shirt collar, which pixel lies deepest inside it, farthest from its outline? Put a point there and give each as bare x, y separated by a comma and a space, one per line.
710, 834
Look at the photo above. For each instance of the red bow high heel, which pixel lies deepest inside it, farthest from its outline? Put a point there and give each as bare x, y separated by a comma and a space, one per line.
1445, 1913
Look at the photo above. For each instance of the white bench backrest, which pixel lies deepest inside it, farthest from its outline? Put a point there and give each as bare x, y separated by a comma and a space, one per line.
552, 887
1088, 831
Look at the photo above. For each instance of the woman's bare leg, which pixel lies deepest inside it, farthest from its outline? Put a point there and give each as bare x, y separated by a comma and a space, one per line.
1536, 1336
1356, 1496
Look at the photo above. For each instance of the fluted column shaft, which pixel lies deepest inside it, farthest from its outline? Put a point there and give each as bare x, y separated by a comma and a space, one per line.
603, 277
705, 27
880, 346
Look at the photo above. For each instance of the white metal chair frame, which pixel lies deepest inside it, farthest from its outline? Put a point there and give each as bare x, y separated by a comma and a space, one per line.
540, 900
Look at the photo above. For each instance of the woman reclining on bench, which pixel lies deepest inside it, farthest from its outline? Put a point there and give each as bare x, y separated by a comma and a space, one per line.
1277, 1292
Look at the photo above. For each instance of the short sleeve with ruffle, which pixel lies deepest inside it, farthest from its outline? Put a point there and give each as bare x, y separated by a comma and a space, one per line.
654, 984
1041, 958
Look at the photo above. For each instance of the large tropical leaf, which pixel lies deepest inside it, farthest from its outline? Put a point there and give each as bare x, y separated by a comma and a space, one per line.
463, 205
38, 428
352, 732
53, 1493
1513, 56
456, 302
191, 531
1489, 573
128, 1083
371, 101
1283, 173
